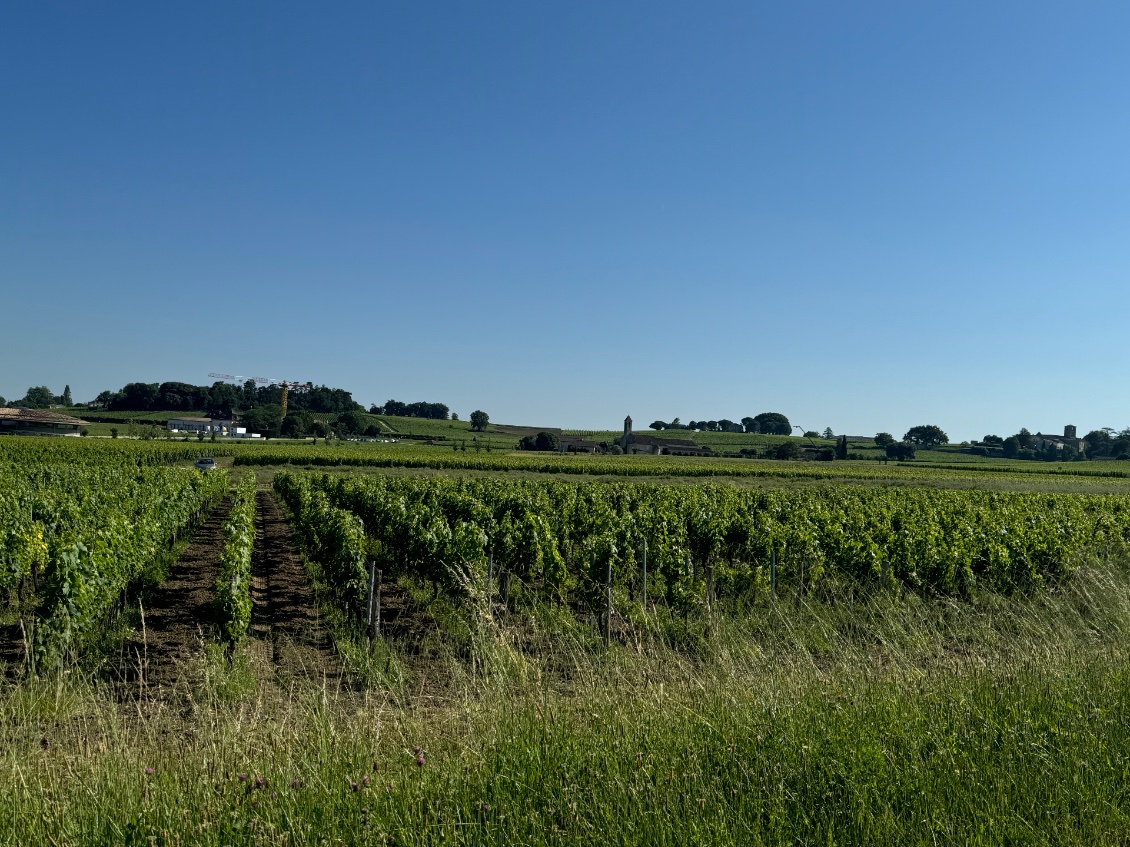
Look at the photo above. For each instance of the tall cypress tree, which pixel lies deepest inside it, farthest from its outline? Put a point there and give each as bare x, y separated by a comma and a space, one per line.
67, 396
841, 448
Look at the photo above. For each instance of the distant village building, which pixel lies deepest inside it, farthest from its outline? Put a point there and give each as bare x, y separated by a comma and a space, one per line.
38, 422
1068, 439
656, 445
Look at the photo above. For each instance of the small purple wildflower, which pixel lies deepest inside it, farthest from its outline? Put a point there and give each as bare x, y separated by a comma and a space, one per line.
484, 807
419, 761
243, 777
260, 782
294, 783
354, 786
416, 749
365, 779
149, 771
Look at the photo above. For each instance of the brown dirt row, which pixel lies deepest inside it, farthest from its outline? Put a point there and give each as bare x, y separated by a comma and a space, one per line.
285, 617
178, 617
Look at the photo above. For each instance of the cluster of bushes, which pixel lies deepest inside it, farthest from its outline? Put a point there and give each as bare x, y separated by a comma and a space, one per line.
543, 441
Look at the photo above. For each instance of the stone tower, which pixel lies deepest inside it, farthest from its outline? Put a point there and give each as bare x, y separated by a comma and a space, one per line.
626, 438
1069, 431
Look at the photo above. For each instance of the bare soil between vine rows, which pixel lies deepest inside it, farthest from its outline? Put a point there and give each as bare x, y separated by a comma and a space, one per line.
179, 616
285, 619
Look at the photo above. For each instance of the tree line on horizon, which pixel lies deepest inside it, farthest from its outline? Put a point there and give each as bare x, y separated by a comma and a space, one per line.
260, 407
769, 423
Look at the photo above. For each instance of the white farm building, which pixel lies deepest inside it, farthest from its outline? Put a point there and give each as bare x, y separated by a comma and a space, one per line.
219, 426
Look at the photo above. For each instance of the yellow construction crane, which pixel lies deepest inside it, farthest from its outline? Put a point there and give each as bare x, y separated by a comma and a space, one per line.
286, 385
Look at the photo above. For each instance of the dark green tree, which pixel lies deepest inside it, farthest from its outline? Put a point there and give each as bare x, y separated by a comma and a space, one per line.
841, 448
884, 439
774, 423
543, 441
786, 450
479, 420
828, 432
750, 425
295, 425
351, 423
657, 425
900, 451
1024, 438
265, 420
926, 436
38, 397
223, 399
1099, 441
66, 398
1011, 447
136, 397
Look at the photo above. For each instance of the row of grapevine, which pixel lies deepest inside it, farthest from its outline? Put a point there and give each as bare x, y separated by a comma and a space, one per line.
79, 533
19, 453
565, 536
404, 456
331, 536
233, 588
102, 534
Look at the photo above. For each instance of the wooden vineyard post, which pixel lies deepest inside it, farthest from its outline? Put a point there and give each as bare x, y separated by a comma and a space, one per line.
686, 577
773, 573
371, 597
608, 601
644, 597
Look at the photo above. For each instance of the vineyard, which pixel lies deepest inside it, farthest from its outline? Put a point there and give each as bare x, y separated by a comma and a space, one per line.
451, 652
77, 532
348, 455
693, 544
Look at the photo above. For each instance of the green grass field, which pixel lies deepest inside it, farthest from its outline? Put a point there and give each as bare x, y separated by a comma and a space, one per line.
893, 721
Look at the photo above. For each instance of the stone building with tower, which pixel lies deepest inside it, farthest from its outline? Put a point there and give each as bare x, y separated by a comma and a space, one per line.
655, 445
1068, 439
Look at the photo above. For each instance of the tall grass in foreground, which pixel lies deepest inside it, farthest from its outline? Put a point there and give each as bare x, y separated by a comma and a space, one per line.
889, 720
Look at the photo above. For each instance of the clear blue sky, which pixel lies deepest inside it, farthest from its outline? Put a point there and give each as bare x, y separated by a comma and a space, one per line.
864, 215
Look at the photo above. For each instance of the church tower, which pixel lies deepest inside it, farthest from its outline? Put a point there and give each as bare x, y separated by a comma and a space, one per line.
626, 438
